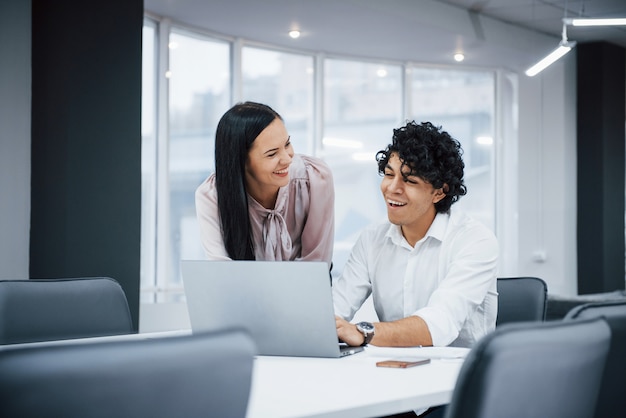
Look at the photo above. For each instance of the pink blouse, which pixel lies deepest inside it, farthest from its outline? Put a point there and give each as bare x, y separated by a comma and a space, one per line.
300, 227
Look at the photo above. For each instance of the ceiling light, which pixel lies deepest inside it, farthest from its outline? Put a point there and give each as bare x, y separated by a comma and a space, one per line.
594, 22
553, 56
294, 34
563, 48
458, 57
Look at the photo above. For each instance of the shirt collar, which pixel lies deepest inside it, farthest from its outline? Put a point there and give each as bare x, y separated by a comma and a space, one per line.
437, 230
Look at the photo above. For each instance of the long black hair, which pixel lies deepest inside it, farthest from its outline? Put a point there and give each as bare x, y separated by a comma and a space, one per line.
236, 131
431, 154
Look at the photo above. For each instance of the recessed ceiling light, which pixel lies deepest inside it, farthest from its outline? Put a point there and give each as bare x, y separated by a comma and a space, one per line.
295, 34
458, 57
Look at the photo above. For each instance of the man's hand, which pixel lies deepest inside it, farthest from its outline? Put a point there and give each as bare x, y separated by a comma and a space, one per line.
407, 332
348, 333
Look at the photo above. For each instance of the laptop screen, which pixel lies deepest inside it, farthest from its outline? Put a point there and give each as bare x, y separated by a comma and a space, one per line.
285, 305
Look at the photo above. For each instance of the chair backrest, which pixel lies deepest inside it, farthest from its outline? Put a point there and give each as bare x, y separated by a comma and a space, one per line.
190, 376
521, 299
58, 309
612, 397
548, 369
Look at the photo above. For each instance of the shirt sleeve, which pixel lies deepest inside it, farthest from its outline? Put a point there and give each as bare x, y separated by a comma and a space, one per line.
319, 228
470, 264
207, 214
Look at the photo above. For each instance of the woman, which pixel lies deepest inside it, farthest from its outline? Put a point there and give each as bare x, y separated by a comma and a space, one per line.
264, 202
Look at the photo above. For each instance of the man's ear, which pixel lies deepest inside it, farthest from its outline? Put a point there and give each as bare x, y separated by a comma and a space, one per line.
440, 193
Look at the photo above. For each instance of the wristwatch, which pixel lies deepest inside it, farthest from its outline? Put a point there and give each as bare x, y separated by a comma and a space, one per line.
367, 328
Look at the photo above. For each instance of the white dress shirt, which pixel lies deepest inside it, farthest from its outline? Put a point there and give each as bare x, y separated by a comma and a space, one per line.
448, 279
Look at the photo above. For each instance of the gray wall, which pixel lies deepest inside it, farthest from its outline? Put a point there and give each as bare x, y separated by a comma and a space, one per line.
15, 94
86, 142
601, 109
71, 188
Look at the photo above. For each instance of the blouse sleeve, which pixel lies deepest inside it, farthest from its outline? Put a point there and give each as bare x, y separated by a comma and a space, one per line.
319, 229
209, 221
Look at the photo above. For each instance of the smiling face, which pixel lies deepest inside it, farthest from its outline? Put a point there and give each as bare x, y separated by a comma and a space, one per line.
410, 200
267, 167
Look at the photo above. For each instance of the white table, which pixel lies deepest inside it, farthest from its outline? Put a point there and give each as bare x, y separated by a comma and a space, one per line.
352, 386
348, 387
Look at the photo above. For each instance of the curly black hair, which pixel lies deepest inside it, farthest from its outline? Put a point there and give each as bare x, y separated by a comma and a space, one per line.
431, 154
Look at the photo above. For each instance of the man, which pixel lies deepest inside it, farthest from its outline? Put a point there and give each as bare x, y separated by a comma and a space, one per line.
431, 270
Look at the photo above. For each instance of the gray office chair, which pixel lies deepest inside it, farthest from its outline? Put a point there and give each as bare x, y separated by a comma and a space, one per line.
549, 369
521, 299
201, 375
612, 397
58, 309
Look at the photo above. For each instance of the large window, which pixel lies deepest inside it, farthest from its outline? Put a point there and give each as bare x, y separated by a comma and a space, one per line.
342, 110
362, 104
199, 93
283, 81
463, 103
197, 83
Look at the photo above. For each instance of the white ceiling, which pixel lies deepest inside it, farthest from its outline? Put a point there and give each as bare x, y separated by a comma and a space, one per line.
491, 33
546, 16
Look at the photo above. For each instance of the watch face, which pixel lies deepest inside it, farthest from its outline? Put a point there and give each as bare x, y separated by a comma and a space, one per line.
365, 327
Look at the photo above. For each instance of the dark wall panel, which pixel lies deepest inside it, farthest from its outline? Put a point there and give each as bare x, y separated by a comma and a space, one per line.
601, 107
86, 141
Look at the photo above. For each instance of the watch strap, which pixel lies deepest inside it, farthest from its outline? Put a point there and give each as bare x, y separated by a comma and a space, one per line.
368, 337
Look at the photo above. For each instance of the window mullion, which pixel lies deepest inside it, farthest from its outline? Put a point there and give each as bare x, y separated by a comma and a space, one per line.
162, 223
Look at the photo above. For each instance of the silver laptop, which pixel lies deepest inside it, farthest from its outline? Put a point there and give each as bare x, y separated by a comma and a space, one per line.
285, 305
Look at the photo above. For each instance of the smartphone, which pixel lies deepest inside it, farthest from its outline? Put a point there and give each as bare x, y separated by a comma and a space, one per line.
403, 363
